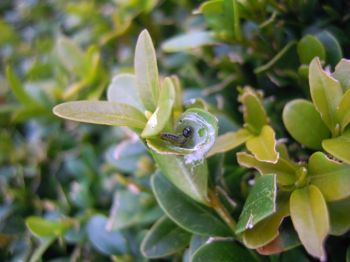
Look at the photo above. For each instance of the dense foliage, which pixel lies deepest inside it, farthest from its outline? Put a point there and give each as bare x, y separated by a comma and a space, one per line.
234, 143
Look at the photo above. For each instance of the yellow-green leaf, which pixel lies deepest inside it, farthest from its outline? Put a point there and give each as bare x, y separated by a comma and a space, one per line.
342, 73
101, 112
343, 110
326, 93
309, 214
339, 146
331, 177
263, 146
229, 141
162, 114
309, 47
146, 71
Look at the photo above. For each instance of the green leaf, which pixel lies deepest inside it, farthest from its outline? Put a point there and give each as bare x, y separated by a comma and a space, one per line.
284, 169
254, 114
130, 209
343, 110
333, 49
304, 123
101, 112
163, 239
146, 71
71, 56
162, 114
45, 228
260, 203
309, 47
309, 214
331, 177
123, 89
186, 213
103, 239
222, 251
40, 250
342, 73
263, 146
229, 141
339, 216
213, 12
326, 93
189, 41
339, 146
18, 89
266, 230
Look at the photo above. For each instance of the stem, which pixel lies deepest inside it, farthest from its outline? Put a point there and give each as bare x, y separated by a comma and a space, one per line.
220, 209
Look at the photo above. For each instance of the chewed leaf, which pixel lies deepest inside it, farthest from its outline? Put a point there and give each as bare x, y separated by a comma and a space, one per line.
339, 146
263, 146
202, 127
229, 141
260, 203
326, 93
123, 89
101, 112
162, 114
146, 71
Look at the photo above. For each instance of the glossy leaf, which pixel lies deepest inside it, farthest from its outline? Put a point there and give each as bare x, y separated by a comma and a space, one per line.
266, 230
254, 114
164, 238
339, 146
229, 141
343, 110
162, 114
101, 112
18, 89
189, 41
260, 203
309, 214
146, 71
222, 251
284, 169
185, 212
309, 47
342, 73
326, 93
339, 216
263, 146
45, 228
104, 240
304, 123
123, 89
331, 177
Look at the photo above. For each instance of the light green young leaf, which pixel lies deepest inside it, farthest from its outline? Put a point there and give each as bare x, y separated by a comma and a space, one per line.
339, 216
162, 114
343, 110
310, 47
260, 204
146, 71
213, 12
309, 214
266, 230
189, 41
331, 177
71, 56
123, 89
342, 73
185, 212
45, 228
164, 238
229, 141
263, 146
284, 169
254, 114
304, 123
18, 89
222, 251
326, 93
339, 146
101, 112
